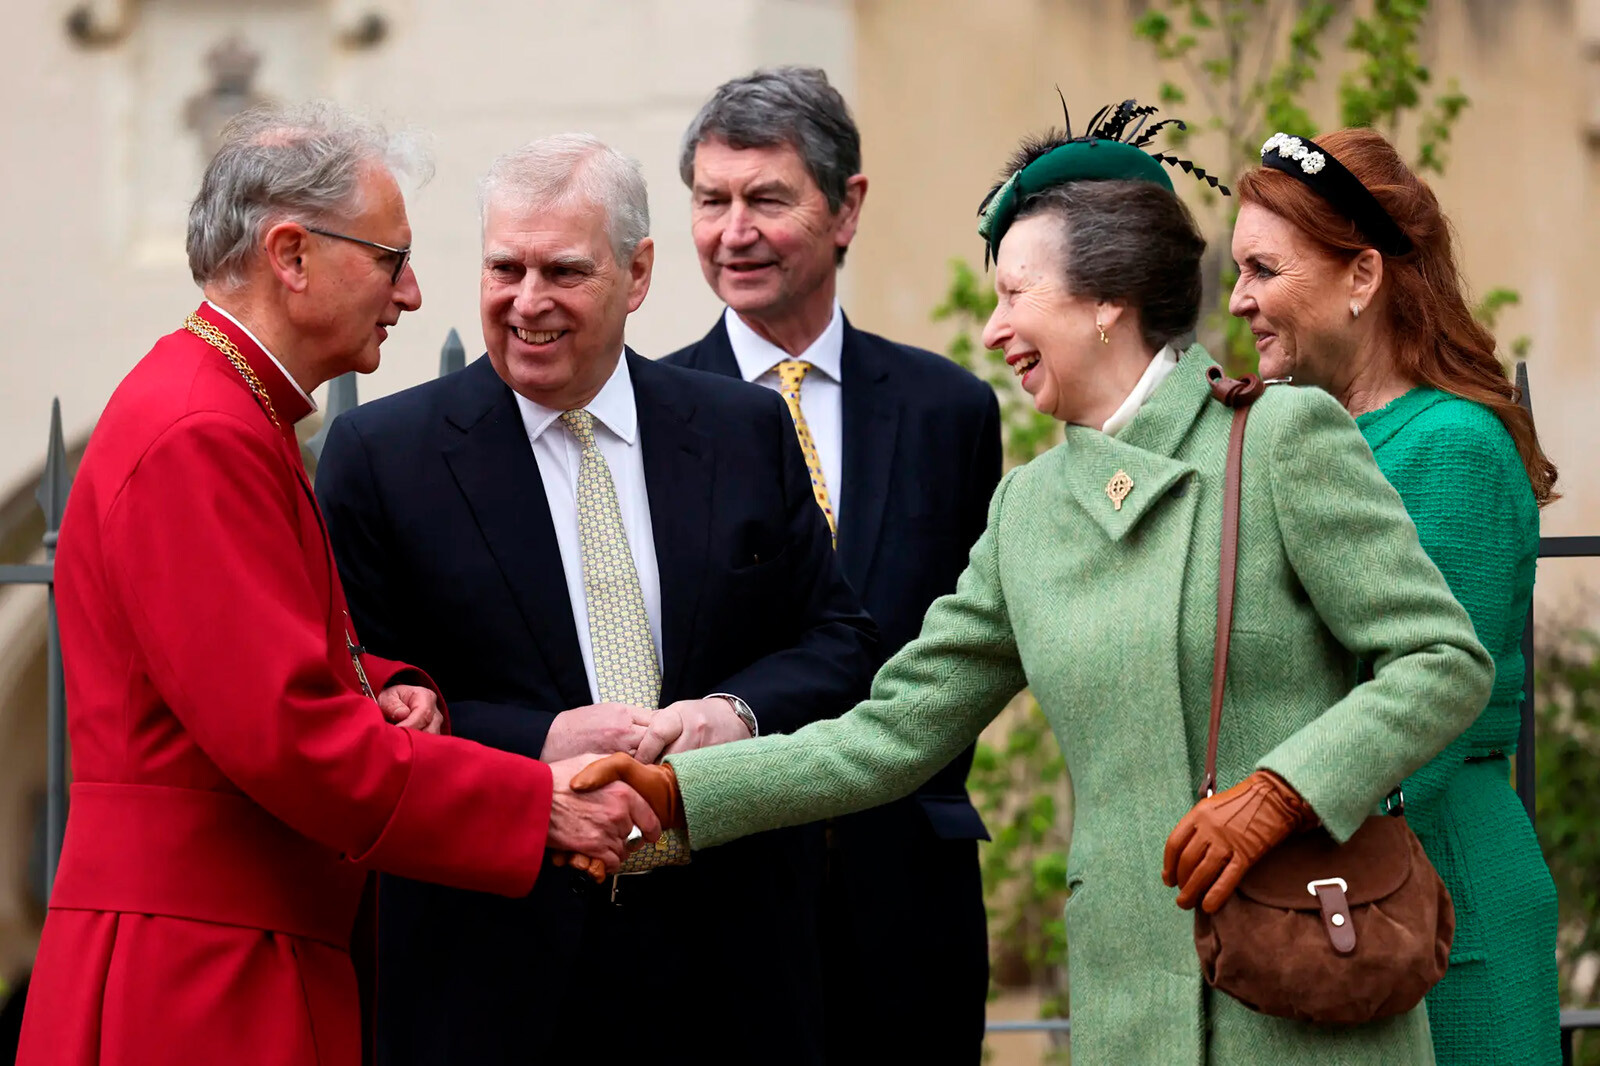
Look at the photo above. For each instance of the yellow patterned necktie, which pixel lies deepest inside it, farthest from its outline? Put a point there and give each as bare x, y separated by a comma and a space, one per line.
791, 373
625, 666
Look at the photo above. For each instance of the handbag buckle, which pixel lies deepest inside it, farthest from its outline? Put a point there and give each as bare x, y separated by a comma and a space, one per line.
1327, 882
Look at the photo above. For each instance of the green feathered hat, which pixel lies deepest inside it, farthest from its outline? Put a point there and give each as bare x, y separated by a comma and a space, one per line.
1110, 149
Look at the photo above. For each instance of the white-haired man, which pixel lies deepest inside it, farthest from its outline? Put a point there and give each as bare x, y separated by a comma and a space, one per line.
238, 772
567, 537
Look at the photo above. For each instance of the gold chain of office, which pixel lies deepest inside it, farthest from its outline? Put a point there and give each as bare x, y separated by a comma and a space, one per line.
219, 340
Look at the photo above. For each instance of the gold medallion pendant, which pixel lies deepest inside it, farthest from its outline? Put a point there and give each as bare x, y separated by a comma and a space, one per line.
1118, 488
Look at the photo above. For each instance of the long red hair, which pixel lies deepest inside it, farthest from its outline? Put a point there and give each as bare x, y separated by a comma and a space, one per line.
1436, 340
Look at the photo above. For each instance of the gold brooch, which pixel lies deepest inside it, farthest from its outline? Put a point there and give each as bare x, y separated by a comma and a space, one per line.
1118, 488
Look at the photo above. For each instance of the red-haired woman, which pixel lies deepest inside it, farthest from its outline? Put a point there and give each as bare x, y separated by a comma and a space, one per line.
1349, 283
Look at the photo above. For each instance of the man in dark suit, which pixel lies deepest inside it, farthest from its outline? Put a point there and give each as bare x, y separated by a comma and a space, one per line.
567, 537
904, 451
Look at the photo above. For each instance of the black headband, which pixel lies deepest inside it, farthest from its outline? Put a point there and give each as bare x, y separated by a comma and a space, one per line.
1316, 167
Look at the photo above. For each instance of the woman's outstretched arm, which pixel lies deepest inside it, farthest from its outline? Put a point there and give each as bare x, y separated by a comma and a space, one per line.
927, 703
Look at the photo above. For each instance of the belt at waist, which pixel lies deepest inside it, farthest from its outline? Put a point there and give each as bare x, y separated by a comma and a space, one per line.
202, 855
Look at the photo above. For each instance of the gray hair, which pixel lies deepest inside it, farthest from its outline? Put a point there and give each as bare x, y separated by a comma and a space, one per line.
574, 168
783, 105
1128, 242
302, 161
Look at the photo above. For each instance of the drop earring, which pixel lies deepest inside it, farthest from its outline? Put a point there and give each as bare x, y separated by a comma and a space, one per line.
1103, 338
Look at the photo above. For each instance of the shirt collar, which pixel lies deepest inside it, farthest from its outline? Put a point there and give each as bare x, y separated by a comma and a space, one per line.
756, 355
265, 351
1164, 363
613, 407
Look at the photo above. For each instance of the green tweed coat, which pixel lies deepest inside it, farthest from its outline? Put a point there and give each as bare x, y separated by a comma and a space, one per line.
1108, 615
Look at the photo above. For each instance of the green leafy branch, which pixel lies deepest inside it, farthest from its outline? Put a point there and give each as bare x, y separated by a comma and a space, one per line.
1210, 43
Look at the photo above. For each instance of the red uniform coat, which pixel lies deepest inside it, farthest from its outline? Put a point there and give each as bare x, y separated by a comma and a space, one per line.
233, 787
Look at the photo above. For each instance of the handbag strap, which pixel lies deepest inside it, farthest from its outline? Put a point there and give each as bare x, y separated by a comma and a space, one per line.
1238, 394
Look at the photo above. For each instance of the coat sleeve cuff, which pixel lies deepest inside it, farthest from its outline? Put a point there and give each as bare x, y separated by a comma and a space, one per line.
383, 672
469, 817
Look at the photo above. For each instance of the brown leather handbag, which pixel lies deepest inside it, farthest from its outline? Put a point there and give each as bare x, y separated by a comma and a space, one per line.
1317, 931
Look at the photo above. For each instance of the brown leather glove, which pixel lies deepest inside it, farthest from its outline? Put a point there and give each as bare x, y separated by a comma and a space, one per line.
658, 785
1224, 835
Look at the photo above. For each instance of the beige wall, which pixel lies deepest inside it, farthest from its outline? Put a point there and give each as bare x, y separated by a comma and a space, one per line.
100, 165
946, 87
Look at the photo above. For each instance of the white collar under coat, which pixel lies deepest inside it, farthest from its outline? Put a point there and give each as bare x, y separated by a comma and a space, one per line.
1164, 363
613, 407
756, 355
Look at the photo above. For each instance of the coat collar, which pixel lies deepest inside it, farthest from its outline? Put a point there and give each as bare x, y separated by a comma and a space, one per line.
288, 399
714, 352
1145, 451
756, 355
1384, 424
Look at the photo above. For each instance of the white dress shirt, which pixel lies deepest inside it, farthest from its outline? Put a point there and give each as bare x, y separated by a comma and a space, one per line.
616, 434
1164, 363
821, 395
246, 331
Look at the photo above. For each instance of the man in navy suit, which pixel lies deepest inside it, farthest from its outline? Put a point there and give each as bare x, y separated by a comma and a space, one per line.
904, 452
568, 537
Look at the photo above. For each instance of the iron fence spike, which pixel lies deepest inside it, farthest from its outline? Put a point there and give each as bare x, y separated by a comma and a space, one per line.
453, 356
342, 397
56, 481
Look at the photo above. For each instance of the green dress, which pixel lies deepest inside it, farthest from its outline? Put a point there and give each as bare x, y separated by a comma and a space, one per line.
1458, 471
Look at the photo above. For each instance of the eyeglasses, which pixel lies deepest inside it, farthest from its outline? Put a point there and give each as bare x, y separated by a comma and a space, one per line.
403, 254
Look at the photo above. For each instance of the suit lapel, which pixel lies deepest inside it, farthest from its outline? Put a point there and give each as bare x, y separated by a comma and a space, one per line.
679, 471
1144, 451
871, 415
494, 466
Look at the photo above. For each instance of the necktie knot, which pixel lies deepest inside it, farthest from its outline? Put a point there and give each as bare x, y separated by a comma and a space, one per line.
791, 372
581, 425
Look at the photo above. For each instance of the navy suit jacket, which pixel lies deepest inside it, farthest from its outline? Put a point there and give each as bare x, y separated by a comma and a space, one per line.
443, 536
921, 460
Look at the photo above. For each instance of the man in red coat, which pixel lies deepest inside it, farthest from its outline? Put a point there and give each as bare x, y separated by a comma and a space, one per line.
239, 766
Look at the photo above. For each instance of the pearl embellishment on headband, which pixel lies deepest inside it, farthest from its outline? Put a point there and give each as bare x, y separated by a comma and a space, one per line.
1310, 160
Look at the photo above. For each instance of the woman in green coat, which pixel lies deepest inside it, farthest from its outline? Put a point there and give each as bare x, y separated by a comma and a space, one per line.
1356, 292
1095, 584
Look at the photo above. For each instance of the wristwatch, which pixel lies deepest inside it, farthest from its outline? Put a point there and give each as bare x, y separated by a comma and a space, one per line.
740, 708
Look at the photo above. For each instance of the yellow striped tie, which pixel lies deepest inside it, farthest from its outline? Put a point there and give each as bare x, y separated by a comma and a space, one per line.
625, 666
791, 373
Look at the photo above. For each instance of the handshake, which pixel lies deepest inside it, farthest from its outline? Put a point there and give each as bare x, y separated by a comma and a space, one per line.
603, 806
600, 798
597, 803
